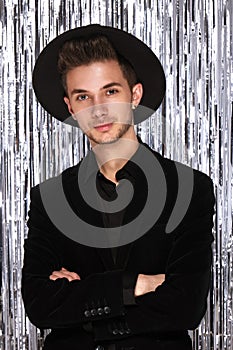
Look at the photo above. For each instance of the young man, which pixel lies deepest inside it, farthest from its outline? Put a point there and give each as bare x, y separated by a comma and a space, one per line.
118, 254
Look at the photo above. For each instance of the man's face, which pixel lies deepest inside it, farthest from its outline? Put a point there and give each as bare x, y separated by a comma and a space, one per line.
100, 99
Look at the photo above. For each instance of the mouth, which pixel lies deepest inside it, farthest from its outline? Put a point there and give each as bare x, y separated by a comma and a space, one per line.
104, 127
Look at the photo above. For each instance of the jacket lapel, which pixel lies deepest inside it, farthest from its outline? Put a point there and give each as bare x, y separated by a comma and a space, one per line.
70, 184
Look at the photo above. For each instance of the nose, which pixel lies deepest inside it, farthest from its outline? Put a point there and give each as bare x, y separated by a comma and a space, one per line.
99, 110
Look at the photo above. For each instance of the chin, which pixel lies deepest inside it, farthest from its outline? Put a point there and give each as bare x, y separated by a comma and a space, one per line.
108, 138
103, 140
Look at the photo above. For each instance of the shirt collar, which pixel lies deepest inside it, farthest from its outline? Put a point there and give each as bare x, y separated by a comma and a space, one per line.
91, 166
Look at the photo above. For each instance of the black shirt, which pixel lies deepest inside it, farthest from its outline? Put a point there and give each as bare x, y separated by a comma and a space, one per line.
108, 191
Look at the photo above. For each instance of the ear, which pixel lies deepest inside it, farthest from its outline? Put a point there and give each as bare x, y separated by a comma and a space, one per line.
137, 93
67, 102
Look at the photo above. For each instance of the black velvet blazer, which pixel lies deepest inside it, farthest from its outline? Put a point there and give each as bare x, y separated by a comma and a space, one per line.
101, 308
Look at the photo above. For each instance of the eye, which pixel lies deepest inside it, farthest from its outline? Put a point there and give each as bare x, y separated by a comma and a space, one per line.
112, 92
82, 97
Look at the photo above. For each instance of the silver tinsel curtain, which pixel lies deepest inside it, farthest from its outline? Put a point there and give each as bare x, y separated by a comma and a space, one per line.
193, 39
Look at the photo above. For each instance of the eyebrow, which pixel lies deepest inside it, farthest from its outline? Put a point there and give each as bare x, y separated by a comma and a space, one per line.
79, 91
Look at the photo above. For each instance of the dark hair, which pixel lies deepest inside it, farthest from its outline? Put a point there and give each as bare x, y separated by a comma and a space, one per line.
83, 51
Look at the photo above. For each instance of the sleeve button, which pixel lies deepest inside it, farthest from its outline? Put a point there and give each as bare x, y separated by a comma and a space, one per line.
115, 331
87, 313
100, 311
93, 312
107, 310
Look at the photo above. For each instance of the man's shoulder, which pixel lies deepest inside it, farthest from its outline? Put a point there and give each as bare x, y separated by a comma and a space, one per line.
65, 176
182, 179
189, 191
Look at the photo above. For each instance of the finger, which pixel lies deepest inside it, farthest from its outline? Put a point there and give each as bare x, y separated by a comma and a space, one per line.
54, 277
162, 278
57, 274
64, 274
71, 273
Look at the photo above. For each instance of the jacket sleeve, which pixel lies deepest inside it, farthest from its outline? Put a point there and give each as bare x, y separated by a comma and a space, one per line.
180, 302
60, 303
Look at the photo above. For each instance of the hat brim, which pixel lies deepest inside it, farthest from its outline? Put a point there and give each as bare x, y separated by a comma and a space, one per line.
47, 83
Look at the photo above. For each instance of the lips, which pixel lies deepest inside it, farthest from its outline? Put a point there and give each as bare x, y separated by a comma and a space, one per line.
103, 127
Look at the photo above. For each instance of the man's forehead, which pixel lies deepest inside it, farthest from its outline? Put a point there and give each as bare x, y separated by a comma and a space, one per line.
96, 76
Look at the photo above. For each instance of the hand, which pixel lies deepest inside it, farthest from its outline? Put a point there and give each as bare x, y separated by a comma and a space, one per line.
148, 283
63, 273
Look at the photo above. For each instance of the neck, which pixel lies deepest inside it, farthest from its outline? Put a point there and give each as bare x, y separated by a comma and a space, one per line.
112, 157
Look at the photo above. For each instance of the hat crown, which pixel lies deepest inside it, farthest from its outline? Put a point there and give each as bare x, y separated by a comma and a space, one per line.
48, 87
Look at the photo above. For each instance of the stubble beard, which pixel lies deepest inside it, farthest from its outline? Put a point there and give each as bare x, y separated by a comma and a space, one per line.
122, 130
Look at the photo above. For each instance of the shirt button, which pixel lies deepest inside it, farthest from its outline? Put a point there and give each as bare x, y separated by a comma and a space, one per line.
87, 313
107, 310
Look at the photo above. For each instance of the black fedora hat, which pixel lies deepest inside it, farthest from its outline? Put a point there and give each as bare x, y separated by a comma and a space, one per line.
47, 83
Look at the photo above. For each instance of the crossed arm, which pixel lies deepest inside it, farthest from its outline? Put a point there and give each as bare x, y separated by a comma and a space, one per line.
58, 299
144, 284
